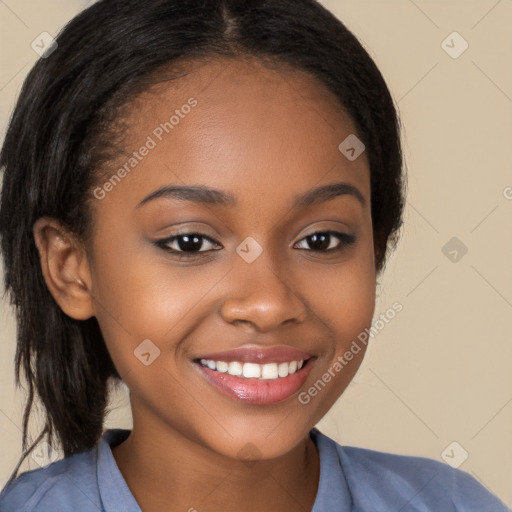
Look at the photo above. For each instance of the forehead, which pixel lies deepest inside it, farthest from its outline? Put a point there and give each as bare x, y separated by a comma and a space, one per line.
255, 131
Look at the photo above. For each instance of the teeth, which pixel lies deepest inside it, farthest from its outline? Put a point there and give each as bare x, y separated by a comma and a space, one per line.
254, 371
269, 371
235, 368
221, 366
283, 369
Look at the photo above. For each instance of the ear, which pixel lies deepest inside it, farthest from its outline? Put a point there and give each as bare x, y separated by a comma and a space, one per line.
65, 268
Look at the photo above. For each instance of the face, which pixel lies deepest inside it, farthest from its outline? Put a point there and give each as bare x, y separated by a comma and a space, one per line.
262, 276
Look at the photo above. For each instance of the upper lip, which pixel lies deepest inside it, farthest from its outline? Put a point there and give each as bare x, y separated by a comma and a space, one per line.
259, 355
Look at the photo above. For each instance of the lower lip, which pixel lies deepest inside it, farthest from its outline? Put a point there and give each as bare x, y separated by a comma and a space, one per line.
257, 391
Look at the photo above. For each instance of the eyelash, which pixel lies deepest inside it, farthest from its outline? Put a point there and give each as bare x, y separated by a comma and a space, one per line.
344, 238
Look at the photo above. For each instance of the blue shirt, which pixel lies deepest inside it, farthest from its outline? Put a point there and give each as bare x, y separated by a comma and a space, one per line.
351, 479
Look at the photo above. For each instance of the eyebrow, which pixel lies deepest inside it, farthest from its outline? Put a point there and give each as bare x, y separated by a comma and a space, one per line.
203, 194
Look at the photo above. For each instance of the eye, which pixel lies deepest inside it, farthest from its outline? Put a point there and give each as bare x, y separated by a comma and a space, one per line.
328, 241
191, 244
187, 244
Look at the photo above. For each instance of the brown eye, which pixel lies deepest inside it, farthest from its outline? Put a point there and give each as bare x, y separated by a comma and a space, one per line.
187, 244
327, 241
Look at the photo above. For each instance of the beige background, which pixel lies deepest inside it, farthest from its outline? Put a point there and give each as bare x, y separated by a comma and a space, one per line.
441, 370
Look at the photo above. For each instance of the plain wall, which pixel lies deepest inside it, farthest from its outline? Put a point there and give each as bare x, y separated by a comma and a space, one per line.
440, 371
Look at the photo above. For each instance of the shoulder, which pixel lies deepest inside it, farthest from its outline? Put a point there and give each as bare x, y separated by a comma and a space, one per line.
67, 484
385, 481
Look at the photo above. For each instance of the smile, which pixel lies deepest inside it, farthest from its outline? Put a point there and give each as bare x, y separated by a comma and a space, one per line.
254, 370
256, 375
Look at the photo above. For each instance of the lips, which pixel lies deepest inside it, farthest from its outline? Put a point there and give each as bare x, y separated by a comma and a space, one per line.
255, 375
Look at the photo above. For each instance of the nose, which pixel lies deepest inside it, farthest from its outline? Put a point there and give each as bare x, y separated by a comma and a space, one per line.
264, 298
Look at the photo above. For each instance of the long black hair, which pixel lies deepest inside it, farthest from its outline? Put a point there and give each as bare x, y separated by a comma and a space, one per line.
56, 142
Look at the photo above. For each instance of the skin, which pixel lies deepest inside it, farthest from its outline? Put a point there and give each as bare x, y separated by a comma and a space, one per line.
266, 136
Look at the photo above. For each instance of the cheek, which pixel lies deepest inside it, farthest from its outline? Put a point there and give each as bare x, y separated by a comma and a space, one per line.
139, 295
344, 295
345, 303
353, 306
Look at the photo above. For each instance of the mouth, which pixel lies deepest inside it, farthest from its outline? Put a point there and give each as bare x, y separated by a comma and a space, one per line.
256, 376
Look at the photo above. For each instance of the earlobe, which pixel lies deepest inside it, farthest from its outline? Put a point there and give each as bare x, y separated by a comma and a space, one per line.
65, 268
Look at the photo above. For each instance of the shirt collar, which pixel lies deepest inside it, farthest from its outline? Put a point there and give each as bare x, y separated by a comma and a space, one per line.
114, 492
333, 491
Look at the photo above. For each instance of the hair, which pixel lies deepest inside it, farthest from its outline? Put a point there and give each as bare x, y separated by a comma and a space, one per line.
55, 145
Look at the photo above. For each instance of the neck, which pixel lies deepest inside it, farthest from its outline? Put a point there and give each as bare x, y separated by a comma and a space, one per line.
167, 471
